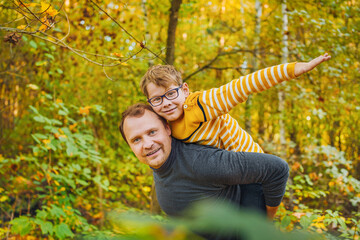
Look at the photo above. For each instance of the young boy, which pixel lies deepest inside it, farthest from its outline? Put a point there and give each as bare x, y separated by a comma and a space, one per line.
202, 117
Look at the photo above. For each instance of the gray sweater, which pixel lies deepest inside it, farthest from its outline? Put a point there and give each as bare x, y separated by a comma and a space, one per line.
194, 172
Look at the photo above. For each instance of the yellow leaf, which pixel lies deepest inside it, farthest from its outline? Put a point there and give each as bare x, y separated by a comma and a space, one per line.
21, 27
88, 206
56, 183
146, 189
84, 110
117, 54
28, 4
52, 12
112, 188
44, 6
43, 27
98, 215
3, 198
73, 127
319, 225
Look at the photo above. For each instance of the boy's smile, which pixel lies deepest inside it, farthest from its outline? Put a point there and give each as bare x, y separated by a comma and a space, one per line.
171, 110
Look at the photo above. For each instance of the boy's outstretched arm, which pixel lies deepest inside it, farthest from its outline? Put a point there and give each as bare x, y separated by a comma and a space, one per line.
303, 67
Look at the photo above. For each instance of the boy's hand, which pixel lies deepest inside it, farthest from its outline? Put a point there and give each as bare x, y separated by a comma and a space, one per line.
302, 67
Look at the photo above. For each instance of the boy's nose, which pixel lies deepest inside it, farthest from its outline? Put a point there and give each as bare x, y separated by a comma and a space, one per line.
166, 101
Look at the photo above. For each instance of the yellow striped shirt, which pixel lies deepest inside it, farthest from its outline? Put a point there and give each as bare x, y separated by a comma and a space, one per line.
206, 120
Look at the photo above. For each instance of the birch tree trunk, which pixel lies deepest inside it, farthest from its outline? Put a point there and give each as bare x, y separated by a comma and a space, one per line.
173, 20
258, 9
281, 93
146, 27
154, 204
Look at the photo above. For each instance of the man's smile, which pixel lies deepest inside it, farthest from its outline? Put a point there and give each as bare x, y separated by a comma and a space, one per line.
153, 152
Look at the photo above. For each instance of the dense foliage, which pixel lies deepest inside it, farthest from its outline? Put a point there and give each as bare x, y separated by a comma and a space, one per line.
69, 68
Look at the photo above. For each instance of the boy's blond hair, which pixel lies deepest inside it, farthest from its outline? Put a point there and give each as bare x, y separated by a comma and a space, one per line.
160, 75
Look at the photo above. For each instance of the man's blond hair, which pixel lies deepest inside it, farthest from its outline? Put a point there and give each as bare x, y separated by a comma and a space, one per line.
160, 75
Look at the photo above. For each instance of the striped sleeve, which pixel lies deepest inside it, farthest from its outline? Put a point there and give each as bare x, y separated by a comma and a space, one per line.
218, 101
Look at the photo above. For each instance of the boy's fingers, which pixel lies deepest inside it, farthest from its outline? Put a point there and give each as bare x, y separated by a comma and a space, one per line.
319, 60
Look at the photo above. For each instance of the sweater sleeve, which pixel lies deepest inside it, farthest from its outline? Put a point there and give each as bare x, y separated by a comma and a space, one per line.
218, 101
232, 168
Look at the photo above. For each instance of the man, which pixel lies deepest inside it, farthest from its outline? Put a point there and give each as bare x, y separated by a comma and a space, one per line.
185, 173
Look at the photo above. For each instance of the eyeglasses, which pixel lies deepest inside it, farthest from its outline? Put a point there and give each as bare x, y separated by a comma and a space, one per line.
170, 95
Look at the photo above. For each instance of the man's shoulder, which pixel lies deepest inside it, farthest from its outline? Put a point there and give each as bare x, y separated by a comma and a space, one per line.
182, 146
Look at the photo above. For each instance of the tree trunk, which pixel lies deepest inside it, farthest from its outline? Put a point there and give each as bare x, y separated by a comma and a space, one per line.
281, 93
154, 204
147, 33
248, 103
173, 20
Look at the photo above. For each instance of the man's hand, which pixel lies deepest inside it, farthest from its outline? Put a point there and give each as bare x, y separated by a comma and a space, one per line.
271, 211
302, 67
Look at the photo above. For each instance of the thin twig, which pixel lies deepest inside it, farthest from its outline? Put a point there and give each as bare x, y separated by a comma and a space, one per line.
117, 23
221, 54
19, 19
107, 75
68, 21
226, 68
34, 14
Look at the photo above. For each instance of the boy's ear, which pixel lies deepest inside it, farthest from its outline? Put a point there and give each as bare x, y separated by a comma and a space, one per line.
185, 89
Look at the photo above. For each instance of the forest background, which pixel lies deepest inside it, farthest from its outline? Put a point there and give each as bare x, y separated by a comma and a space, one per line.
69, 68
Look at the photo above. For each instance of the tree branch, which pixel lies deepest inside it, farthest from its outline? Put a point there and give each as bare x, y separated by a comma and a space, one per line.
128, 33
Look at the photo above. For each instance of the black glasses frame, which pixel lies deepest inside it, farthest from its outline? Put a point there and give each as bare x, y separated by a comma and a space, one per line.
162, 96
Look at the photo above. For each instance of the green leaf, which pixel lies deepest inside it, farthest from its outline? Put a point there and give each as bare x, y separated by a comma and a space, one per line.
37, 140
285, 221
56, 211
21, 225
39, 119
71, 150
50, 56
33, 44
59, 71
46, 227
56, 122
305, 222
342, 223
63, 231
62, 112
41, 214
82, 182
40, 136
34, 109
40, 63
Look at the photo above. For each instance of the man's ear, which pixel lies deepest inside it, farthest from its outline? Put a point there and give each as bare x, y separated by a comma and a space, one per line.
185, 89
168, 129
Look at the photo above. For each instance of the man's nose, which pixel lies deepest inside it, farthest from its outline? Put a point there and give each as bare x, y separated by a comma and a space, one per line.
148, 143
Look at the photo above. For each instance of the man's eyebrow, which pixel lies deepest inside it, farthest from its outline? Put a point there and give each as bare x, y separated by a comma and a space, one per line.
133, 138
152, 129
